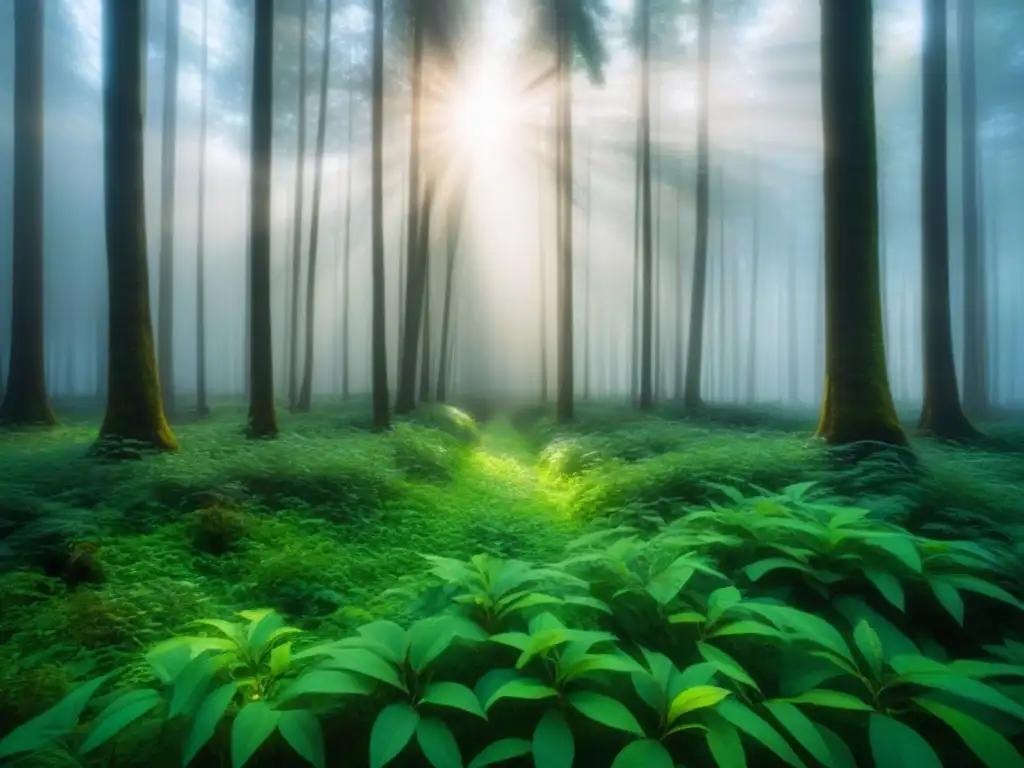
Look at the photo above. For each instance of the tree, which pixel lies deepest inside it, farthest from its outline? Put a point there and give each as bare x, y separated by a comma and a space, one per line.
134, 407
24, 399
941, 414
306, 392
975, 340
453, 229
201, 404
300, 187
647, 261
857, 404
262, 416
347, 266
168, 161
379, 351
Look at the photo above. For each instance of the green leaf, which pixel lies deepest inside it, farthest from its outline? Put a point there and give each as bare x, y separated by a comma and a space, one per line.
982, 587
233, 631
760, 569
280, 658
949, 598
301, 729
841, 756
518, 640
119, 715
900, 545
430, 637
553, 742
726, 664
721, 600
500, 751
894, 642
55, 722
746, 628
191, 685
698, 697
919, 670
725, 743
665, 586
391, 732
585, 601
605, 710
455, 696
687, 617
438, 744
844, 516
364, 662
326, 682
390, 638
888, 585
870, 647
804, 626
802, 729
980, 670
991, 747
896, 745
253, 726
523, 600
646, 752
755, 726
204, 722
822, 697
521, 688
597, 662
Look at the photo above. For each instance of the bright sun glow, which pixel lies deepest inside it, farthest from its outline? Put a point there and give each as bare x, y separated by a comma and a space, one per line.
482, 113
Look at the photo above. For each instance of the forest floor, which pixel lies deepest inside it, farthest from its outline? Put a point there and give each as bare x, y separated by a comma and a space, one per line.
100, 560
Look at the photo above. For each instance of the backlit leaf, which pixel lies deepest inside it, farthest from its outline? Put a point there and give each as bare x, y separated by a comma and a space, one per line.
252, 727
605, 710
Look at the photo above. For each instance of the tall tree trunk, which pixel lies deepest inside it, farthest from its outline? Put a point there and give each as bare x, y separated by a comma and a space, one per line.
755, 261
680, 284
941, 414
415, 266
857, 404
975, 395
262, 416
300, 188
134, 408
695, 346
793, 331
306, 392
453, 228
24, 399
168, 173
647, 295
589, 278
634, 347
201, 405
425, 353
542, 263
379, 342
720, 273
346, 302
564, 388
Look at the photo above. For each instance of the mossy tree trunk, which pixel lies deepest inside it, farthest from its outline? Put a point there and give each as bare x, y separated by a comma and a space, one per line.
856, 404
134, 407
201, 405
941, 414
168, 174
379, 342
306, 391
262, 415
24, 399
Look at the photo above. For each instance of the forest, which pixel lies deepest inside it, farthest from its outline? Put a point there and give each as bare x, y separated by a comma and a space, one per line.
458, 383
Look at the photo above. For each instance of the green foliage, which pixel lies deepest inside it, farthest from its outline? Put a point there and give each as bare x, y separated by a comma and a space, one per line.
421, 455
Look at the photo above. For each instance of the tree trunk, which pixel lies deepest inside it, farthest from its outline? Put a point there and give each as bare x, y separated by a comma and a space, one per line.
755, 261
134, 409
793, 331
201, 405
695, 347
425, 354
168, 173
542, 263
647, 281
680, 284
306, 392
453, 231
262, 416
300, 188
857, 404
346, 302
589, 277
634, 346
379, 352
975, 395
941, 414
564, 388
24, 399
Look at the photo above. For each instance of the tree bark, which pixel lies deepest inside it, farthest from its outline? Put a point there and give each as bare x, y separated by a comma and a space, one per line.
941, 414
379, 353
346, 302
306, 392
134, 408
453, 228
425, 352
300, 188
168, 174
857, 404
24, 399
262, 415
201, 405
542, 263
755, 261
564, 373
647, 281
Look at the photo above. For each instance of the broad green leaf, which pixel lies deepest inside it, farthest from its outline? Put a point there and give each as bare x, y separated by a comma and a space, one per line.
822, 697
585, 601
389, 636
119, 715
721, 600
840, 754
500, 751
261, 631
900, 545
233, 631
949, 598
326, 682
168, 658
542, 642
280, 658
894, 642
844, 516
724, 742
888, 585
204, 723
726, 664
429, 638
301, 729
665, 586
691, 699
799, 671
919, 670
526, 600
518, 640
803, 730
455, 696
733, 494
364, 662
253, 726
980, 670
746, 627
553, 742
755, 726
804, 626
982, 587
991, 747
391, 732
438, 744
605, 710
521, 688
760, 569
597, 662
646, 753
687, 617
191, 685
895, 745
870, 647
